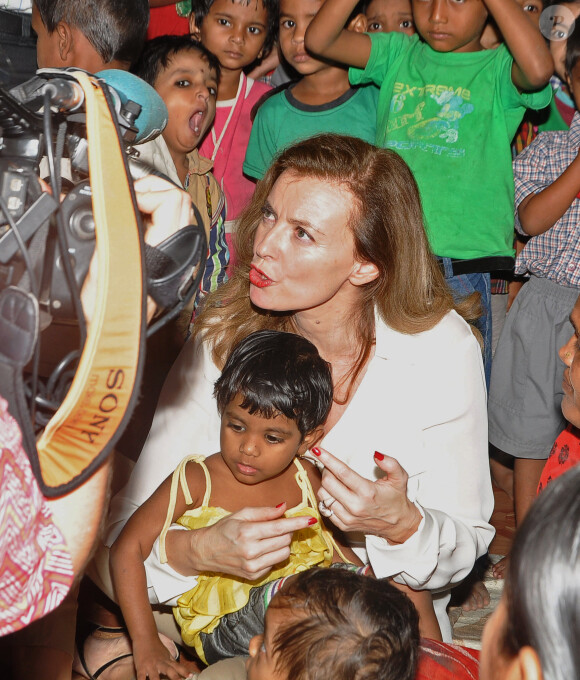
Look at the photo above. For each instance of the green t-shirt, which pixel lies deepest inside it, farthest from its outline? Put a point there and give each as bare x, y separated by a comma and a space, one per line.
452, 117
282, 120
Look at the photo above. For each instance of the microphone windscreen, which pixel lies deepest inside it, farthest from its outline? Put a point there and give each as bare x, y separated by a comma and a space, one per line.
153, 117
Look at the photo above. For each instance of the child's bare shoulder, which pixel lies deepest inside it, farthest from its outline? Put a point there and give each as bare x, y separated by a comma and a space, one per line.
196, 482
314, 474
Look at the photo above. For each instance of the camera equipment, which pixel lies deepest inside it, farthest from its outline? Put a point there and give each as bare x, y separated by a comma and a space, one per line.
71, 119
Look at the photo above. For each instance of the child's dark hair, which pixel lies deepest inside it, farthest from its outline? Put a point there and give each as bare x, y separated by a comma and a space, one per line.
272, 7
159, 52
278, 372
354, 627
572, 52
115, 28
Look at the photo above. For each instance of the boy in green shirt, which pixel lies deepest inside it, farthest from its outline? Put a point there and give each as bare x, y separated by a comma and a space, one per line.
321, 101
451, 109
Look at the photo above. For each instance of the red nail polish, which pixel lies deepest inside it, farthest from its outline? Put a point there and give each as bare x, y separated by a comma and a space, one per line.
315, 450
312, 521
379, 456
280, 504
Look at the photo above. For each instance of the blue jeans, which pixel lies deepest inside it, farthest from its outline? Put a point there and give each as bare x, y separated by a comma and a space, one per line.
464, 285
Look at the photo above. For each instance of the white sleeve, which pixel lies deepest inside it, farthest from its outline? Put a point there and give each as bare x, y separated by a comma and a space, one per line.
186, 422
164, 584
451, 485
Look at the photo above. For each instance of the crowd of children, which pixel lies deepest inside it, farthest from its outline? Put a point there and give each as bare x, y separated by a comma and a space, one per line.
457, 89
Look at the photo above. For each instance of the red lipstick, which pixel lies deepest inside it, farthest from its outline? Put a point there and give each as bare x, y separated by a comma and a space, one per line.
258, 278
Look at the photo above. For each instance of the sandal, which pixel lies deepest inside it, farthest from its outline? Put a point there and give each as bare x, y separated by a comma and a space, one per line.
102, 632
111, 632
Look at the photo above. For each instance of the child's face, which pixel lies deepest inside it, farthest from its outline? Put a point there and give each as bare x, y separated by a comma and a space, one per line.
235, 31
450, 25
573, 81
188, 86
570, 352
390, 16
533, 9
561, 30
295, 17
255, 448
261, 664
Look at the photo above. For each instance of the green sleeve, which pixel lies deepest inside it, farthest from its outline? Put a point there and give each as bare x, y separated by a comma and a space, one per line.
511, 97
262, 146
385, 49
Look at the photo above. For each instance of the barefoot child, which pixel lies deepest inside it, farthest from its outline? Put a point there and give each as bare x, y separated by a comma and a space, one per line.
186, 77
450, 109
238, 32
274, 393
527, 388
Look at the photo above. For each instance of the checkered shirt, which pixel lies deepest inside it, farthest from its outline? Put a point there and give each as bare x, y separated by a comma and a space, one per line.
555, 254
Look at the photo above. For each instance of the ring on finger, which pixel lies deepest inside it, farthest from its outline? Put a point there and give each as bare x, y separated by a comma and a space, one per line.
324, 510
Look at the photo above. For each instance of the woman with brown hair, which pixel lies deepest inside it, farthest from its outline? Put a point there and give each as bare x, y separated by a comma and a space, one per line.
333, 247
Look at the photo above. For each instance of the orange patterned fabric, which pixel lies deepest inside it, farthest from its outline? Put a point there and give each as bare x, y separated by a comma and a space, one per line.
564, 454
35, 567
443, 661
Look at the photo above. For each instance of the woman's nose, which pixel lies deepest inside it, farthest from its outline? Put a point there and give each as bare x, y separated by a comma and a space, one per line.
266, 242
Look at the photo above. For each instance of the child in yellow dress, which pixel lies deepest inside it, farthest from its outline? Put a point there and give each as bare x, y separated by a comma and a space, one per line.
274, 395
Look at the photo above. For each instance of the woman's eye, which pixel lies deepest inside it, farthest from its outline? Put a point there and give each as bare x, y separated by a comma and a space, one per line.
267, 215
374, 27
303, 235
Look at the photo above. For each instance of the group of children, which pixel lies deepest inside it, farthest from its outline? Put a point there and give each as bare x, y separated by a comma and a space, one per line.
444, 83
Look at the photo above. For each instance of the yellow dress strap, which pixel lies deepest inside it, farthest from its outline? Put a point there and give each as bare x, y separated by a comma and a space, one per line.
179, 477
308, 496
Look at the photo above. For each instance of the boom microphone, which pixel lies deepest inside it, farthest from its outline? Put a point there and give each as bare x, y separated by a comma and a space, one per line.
153, 117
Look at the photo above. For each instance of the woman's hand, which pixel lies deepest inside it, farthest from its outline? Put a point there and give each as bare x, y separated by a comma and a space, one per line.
246, 544
380, 508
153, 660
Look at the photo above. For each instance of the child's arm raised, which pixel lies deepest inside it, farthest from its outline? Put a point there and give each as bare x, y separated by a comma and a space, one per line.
533, 65
538, 212
327, 36
128, 553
